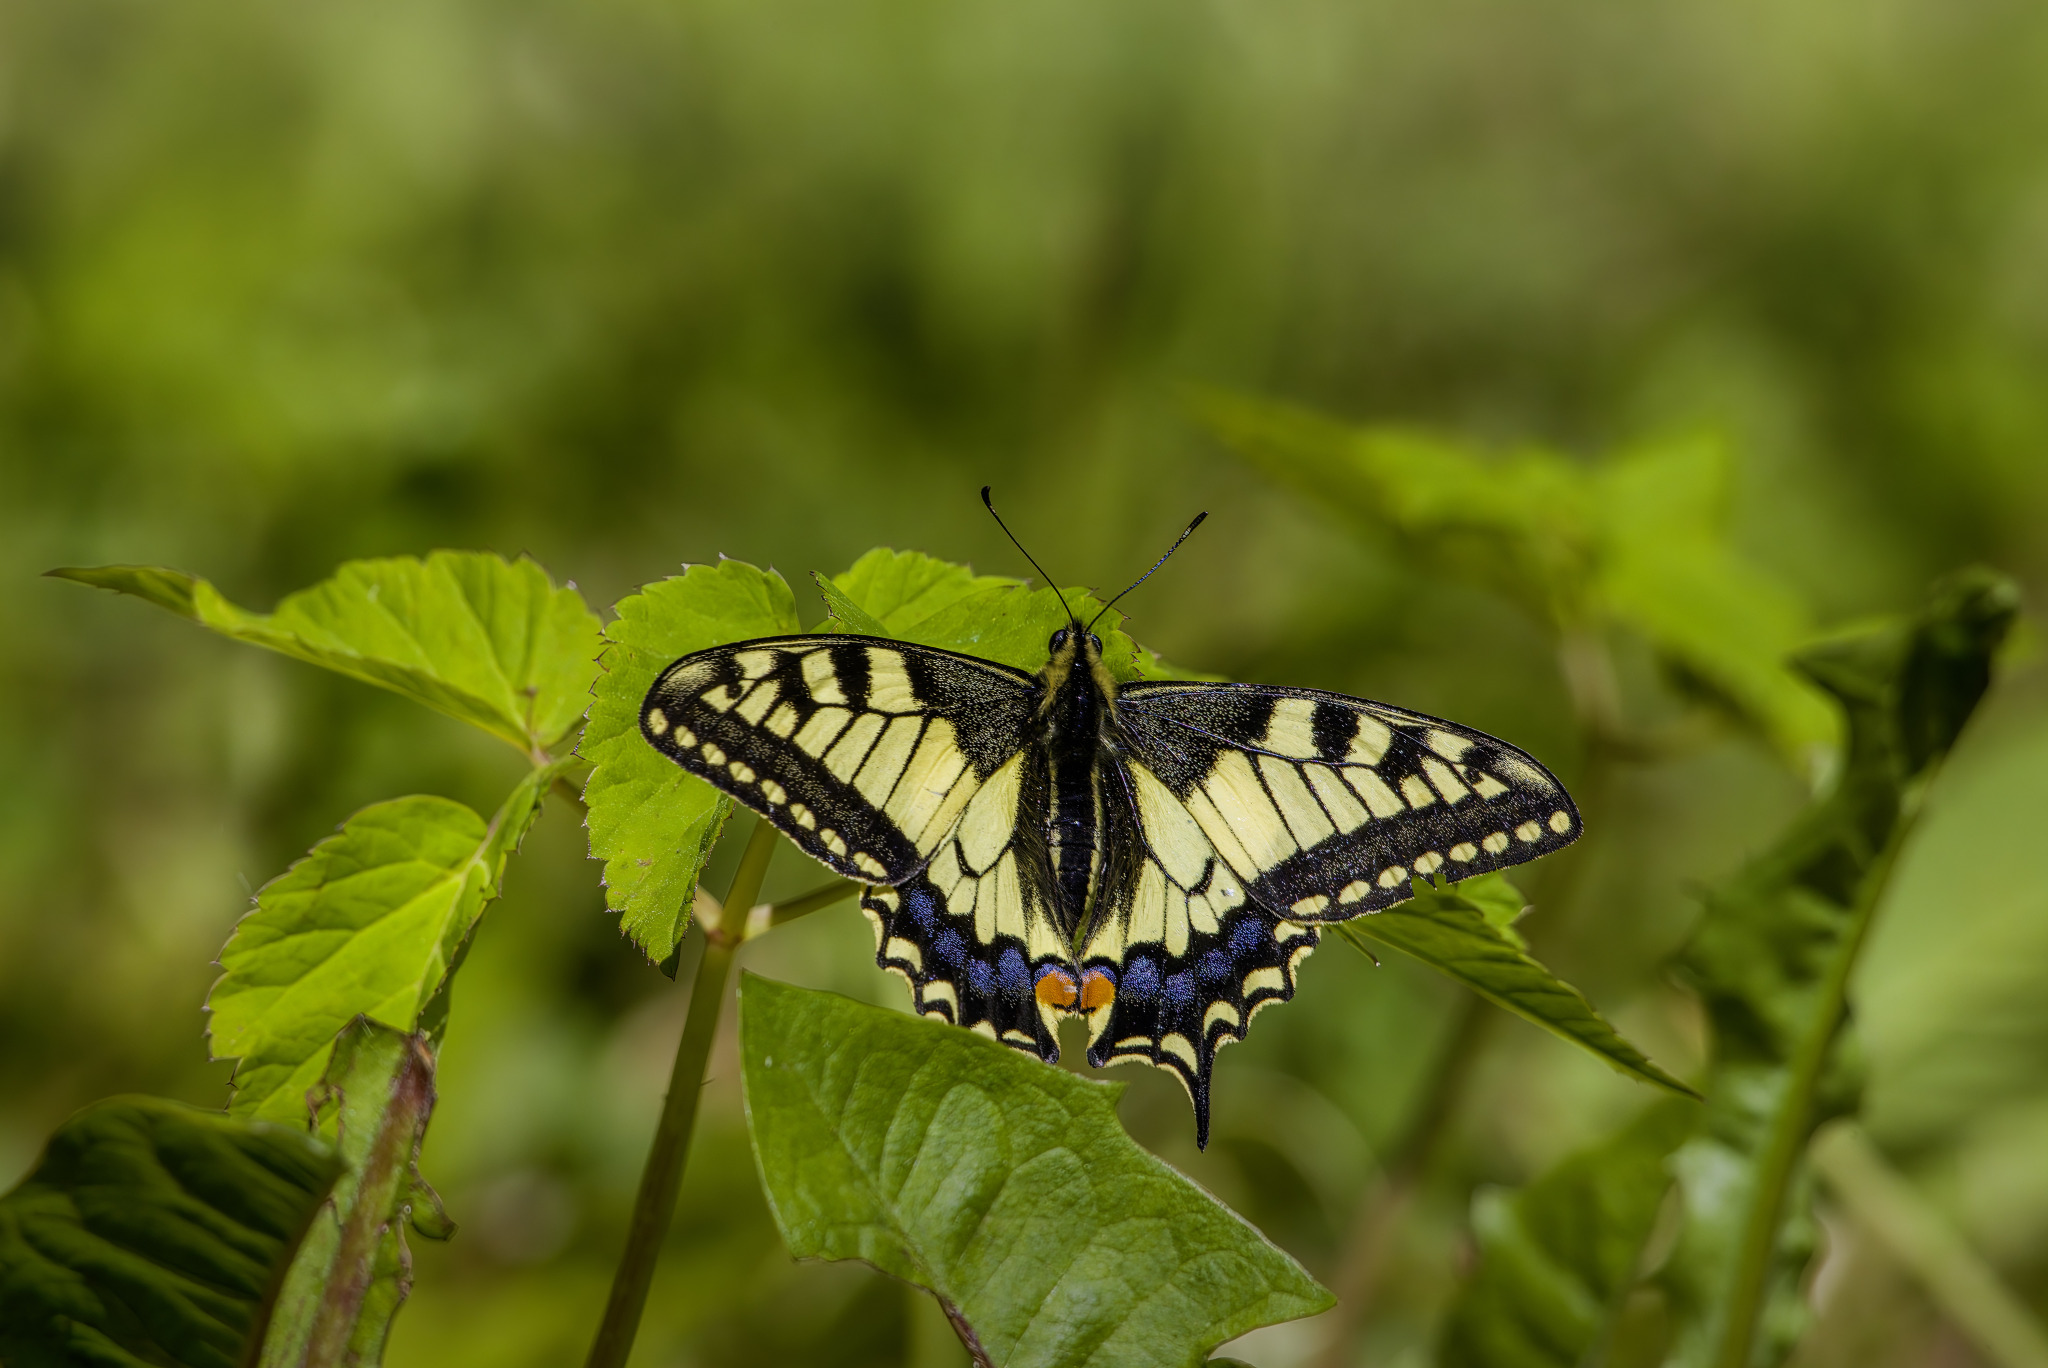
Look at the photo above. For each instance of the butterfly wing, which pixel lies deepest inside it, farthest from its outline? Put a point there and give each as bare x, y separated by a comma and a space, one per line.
902, 767
863, 752
1327, 806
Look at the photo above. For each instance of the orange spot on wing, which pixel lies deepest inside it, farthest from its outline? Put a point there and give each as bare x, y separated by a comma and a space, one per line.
1098, 989
1055, 988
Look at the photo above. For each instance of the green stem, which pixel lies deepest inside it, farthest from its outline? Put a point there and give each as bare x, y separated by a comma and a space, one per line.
1792, 1124
655, 1204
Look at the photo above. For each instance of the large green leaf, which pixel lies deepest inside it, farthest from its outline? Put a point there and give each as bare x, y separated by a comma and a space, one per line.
1558, 1257
1006, 1188
1772, 959
493, 642
353, 1271
1464, 931
152, 1232
1637, 540
370, 923
650, 822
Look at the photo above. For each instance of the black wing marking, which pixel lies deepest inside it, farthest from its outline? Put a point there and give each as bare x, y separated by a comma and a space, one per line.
862, 751
1327, 806
1192, 958
973, 932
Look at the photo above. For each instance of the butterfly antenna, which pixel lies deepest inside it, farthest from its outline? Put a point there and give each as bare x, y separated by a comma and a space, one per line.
1050, 583
1155, 565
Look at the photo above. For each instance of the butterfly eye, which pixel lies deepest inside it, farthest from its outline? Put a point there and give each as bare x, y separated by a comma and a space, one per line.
1095, 642
1059, 639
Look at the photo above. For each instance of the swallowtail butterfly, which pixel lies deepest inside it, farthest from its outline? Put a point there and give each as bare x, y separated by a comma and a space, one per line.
1158, 857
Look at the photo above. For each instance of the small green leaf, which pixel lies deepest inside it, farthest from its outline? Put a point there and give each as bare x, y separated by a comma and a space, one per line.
490, 641
353, 1271
651, 822
1558, 1257
371, 922
1456, 931
846, 615
1006, 1188
152, 1232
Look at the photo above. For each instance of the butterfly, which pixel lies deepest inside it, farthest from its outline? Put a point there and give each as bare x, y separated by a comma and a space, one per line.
1156, 856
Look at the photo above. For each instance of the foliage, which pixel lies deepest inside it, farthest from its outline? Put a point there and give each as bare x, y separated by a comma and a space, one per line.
489, 641
1006, 1189
1638, 541
1771, 959
372, 922
153, 1232
1466, 932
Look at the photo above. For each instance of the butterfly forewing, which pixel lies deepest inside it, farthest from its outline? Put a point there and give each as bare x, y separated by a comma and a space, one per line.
1327, 806
862, 752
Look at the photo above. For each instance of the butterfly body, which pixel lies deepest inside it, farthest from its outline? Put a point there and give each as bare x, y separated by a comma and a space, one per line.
1156, 857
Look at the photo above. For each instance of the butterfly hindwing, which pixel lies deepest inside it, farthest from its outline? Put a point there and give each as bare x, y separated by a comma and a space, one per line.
973, 933
863, 752
1327, 806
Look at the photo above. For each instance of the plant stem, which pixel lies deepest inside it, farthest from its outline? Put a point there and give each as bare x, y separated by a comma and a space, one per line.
654, 1205
1791, 1126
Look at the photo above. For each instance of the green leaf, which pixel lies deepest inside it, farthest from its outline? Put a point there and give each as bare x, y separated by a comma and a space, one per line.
353, 1271
1636, 541
1463, 931
1558, 1257
490, 641
153, 1232
371, 922
1006, 1188
845, 615
900, 589
1772, 959
650, 822
913, 597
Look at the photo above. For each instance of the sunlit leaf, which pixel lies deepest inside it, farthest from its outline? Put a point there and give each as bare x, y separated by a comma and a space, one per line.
371, 922
651, 822
354, 1270
1007, 1189
901, 589
1772, 959
490, 641
1557, 1258
915, 597
152, 1232
1465, 932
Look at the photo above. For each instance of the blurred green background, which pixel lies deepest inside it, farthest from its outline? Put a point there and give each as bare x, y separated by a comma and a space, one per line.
628, 283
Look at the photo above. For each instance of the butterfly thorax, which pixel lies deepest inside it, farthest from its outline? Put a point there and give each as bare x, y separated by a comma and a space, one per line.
1076, 718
